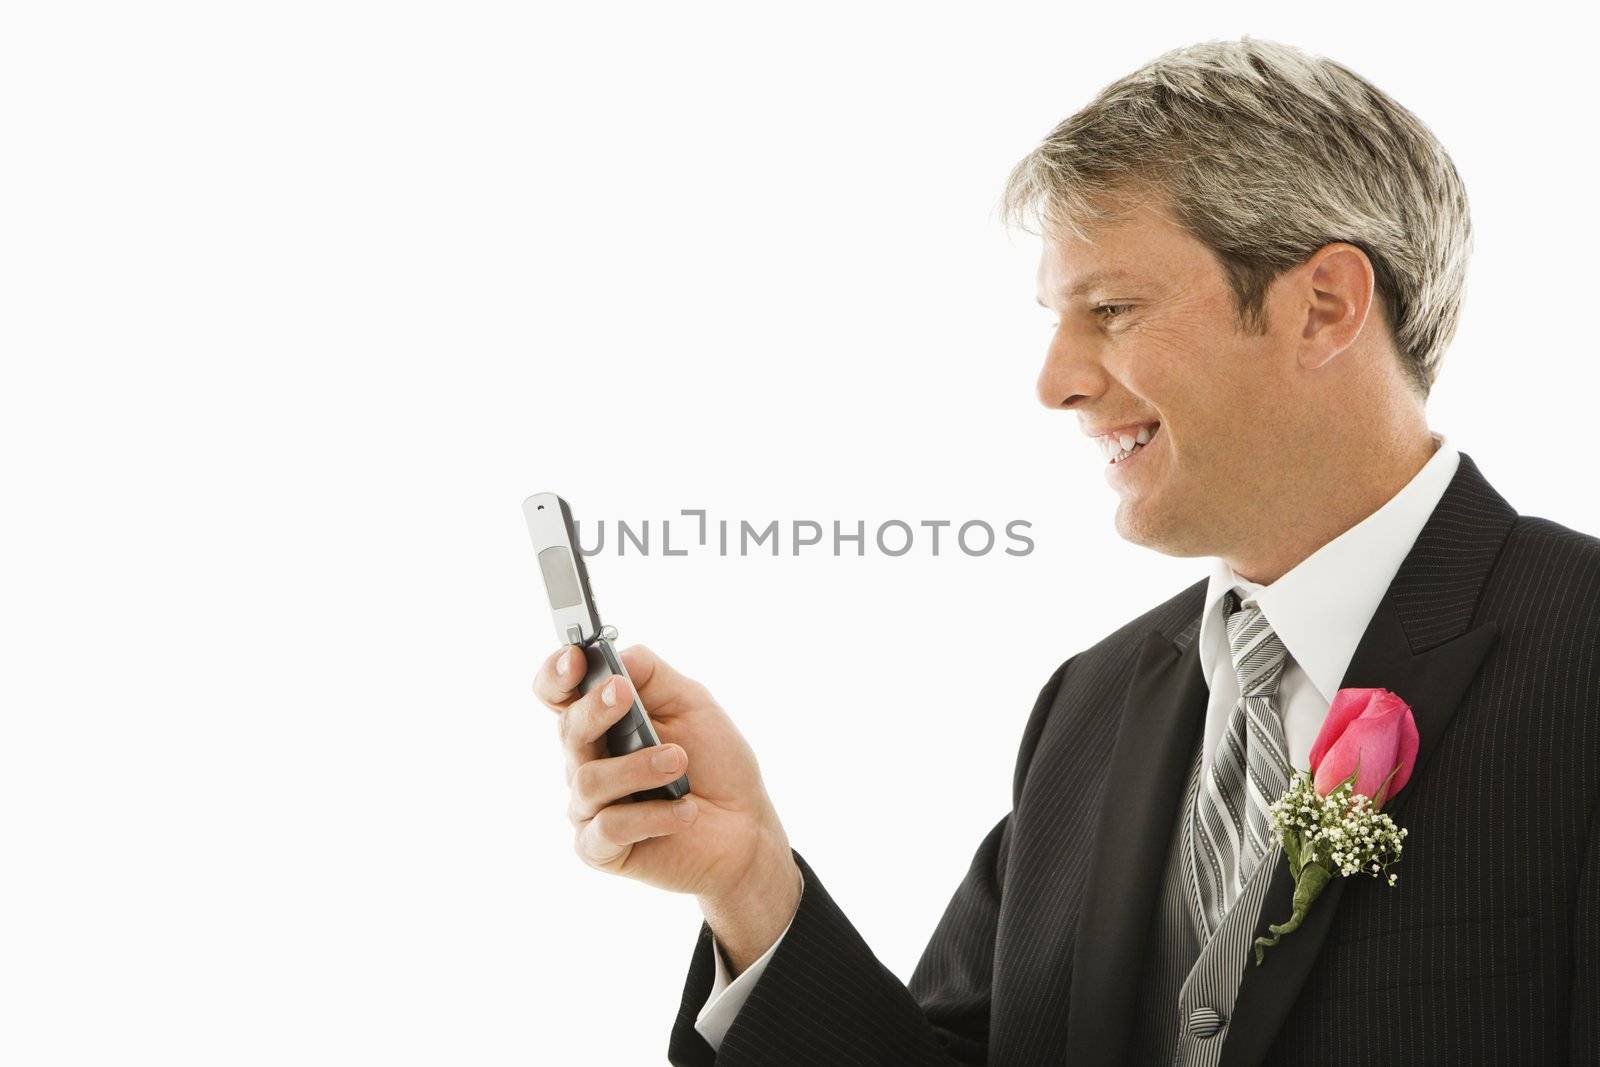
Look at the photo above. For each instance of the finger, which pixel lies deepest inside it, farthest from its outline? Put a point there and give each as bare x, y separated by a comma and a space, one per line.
601, 782
664, 690
585, 720
607, 836
557, 682
584, 723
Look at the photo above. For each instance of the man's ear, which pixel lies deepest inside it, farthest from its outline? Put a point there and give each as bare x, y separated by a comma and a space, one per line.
1336, 293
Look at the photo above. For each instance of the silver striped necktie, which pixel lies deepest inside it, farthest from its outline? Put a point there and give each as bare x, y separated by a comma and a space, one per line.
1231, 829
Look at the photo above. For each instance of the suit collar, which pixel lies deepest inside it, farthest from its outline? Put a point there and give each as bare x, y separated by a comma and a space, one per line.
1417, 644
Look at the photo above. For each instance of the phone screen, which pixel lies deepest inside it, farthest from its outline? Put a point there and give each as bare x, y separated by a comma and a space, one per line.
560, 577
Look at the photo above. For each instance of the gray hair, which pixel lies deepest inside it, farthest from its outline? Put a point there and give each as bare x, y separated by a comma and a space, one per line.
1265, 154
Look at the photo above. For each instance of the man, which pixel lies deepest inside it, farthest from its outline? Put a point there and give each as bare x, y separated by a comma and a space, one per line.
1257, 261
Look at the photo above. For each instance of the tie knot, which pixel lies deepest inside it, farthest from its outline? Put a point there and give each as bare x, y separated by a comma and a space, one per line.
1257, 652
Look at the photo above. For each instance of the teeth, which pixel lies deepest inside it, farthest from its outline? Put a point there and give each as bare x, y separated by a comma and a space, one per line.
1119, 446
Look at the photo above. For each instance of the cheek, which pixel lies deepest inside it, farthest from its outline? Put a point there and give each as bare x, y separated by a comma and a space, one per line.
1163, 368
1187, 377
1197, 370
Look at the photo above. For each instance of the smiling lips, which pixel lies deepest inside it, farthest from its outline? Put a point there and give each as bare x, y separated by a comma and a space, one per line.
1120, 446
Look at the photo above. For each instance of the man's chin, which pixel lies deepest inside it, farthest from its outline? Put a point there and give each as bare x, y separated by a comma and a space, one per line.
1142, 521
1133, 522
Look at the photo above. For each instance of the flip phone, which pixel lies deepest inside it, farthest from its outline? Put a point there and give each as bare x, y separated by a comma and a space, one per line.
566, 585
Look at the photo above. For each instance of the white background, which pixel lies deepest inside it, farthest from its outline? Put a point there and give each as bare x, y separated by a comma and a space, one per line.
300, 300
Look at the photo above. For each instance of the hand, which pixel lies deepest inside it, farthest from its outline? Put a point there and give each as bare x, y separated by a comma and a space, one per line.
722, 842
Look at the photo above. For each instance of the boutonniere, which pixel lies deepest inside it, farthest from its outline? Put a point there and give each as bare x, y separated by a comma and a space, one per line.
1330, 819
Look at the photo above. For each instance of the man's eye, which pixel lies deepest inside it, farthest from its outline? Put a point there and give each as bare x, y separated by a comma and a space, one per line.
1111, 311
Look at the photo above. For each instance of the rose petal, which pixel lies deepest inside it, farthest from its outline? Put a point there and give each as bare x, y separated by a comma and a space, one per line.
1377, 737
1407, 751
1347, 704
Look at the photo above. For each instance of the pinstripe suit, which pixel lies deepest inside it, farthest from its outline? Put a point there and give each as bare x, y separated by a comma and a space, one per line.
1490, 630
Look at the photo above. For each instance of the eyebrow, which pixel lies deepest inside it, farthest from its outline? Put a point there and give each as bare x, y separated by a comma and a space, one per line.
1089, 281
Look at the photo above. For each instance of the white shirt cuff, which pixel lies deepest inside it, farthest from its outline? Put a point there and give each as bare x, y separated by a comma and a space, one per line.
726, 998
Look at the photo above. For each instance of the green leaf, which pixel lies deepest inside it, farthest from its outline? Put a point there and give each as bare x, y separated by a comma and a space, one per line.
1291, 848
1377, 801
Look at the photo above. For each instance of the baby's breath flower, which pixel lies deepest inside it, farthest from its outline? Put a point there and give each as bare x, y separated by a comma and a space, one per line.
1341, 830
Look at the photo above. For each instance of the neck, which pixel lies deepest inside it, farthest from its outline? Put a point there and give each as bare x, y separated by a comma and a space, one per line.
1337, 492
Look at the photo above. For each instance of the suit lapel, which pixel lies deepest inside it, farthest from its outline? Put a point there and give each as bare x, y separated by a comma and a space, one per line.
1418, 646
1160, 724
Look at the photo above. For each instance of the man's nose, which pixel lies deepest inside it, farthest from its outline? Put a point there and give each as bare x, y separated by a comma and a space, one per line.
1071, 373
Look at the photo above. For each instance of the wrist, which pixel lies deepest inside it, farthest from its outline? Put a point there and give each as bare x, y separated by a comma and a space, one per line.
750, 919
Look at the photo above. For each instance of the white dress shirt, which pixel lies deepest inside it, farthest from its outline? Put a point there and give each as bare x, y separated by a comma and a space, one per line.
1319, 610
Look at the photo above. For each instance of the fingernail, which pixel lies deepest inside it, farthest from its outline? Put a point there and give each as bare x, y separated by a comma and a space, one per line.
684, 809
667, 759
609, 693
562, 661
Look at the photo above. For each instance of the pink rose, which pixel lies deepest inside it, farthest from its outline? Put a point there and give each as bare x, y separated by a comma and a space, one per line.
1369, 733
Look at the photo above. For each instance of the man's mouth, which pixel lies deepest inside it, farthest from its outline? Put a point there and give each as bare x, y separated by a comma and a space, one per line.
1119, 448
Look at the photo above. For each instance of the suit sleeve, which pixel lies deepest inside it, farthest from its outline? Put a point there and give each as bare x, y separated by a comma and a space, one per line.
1585, 1013
728, 996
825, 999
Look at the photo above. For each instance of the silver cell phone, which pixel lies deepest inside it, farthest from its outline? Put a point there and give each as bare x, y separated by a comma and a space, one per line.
566, 585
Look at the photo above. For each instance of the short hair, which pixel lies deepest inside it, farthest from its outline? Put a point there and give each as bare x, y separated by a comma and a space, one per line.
1265, 154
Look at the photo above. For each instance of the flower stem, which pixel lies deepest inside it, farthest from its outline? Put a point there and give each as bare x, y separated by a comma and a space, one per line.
1308, 885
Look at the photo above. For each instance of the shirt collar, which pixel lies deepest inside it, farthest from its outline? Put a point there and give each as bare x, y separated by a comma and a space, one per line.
1322, 606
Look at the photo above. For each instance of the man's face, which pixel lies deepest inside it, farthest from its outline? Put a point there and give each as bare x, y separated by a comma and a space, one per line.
1146, 333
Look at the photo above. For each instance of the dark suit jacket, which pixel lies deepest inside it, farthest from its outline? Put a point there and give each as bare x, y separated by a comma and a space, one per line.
1487, 949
